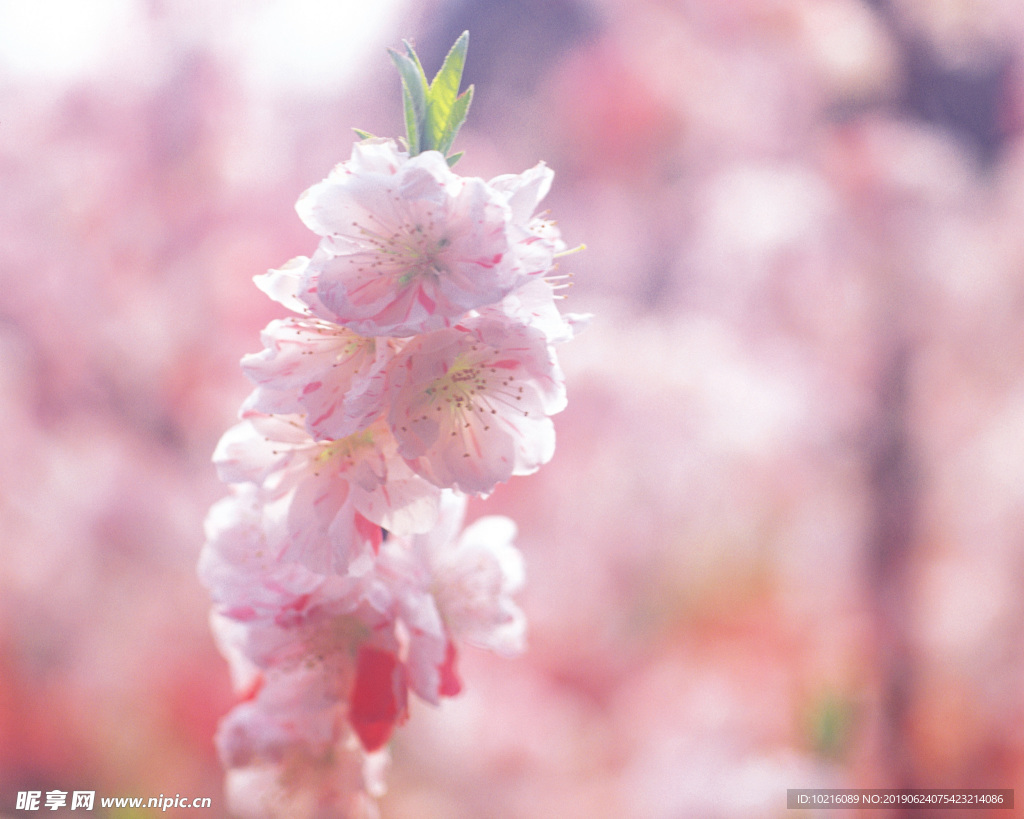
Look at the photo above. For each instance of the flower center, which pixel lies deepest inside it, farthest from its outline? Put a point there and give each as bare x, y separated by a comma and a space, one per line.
344, 452
460, 384
412, 250
474, 386
421, 254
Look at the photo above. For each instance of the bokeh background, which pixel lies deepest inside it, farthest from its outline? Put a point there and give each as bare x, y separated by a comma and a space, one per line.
780, 544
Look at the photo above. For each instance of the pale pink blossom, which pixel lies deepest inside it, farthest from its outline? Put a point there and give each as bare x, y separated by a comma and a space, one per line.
537, 243
332, 375
536, 305
335, 653
299, 708
319, 495
473, 574
535, 240
523, 193
272, 616
425, 642
419, 366
335, 657
269, 612
374, 641
474, 580
387, 626
290, 752
282, 285
330, 785
469, 405
241, 566
408, 245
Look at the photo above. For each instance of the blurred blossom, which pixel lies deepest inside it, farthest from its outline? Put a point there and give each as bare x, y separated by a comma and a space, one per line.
778, 543
962, 33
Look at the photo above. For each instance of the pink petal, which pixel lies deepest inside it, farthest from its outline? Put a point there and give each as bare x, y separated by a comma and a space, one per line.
378, 701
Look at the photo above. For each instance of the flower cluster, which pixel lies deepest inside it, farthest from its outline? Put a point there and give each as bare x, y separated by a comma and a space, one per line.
418, 369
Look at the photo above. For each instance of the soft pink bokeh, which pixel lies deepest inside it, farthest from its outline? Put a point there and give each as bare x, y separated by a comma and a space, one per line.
780, 542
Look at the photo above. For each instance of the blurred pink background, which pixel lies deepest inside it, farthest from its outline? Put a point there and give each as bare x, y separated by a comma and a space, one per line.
780, 544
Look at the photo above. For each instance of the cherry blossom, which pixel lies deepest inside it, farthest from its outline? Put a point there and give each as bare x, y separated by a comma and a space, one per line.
329, 373
417, 366
290, 752
333, 784
320, 495
474, 580
240, 565
333, 645
282, 285
375, 635
408, 246
473, 575
388, 626
537, 240
301, 707
469, 405
535, 304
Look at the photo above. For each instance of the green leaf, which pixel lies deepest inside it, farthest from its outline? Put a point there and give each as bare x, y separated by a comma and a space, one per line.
455, 158
456, 117
413, 122
434, 111
443, 95
363, 134
411, 52
414, 97
412, 72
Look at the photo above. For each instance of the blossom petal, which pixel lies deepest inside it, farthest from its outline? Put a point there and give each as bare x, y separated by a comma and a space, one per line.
408, 246
378, 701
469, 405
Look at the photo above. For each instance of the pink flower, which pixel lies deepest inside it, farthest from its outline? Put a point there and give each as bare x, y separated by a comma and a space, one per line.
523, 193
333, 659
534, 304
473, 575
418, 366
290, 752
469, 405
535, 241
332, 375
333, 784
273, 614
474, 580
408, 246
241, 566
282, 285
299, 709
319, 495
